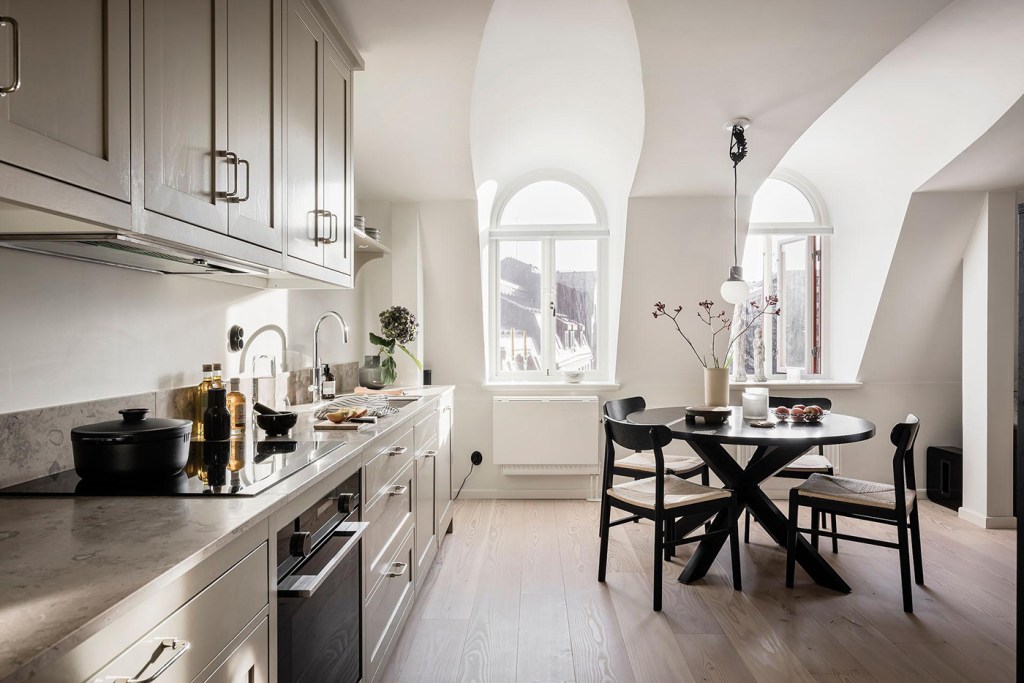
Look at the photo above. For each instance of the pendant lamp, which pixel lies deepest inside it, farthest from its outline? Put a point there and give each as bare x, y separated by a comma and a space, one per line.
735, 289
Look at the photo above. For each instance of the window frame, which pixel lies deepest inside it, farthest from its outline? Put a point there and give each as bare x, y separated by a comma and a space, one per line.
548, 236
822, 229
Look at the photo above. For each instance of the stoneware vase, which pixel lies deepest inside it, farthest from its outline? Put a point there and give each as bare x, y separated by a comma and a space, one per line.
716, 386
370, 373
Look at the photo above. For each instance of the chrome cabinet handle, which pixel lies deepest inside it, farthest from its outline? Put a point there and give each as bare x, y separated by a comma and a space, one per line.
398, 490
398, 450
397, 569
334, 227
177, 645
317, 239
430, 454
244, 162
233, 158
16, 49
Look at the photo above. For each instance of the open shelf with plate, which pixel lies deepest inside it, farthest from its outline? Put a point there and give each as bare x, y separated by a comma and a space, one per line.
367, 248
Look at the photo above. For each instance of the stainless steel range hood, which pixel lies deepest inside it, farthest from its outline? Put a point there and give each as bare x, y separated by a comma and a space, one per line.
128, 251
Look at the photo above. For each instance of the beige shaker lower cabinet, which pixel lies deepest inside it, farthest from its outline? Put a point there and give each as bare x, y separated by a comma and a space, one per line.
219, 633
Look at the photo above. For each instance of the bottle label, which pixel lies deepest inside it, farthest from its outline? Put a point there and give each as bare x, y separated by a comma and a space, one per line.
328, 389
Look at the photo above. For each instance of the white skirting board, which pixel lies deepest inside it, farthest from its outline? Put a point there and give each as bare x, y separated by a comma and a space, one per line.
546, 435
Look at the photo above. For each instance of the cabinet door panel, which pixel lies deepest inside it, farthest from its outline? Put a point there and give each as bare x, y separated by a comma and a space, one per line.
185, 60
443, 465
426, 532
337, 198
69, 119
253, 110
303, 83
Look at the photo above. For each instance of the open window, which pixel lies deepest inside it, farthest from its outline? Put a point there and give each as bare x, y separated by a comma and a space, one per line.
786, 254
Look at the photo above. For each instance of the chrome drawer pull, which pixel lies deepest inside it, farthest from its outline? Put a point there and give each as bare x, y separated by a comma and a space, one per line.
397, 569
398, 450
246, 197
16, 49
178, 646
398, 490
430, 454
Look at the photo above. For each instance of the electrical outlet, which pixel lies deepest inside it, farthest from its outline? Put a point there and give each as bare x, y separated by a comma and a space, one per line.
476, 457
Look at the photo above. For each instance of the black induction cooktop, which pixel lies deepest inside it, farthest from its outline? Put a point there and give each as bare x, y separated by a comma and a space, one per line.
243, 466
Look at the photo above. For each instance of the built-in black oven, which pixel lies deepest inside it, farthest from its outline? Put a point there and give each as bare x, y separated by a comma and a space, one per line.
318, 589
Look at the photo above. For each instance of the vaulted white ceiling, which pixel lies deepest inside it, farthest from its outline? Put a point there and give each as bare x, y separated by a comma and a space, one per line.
782, 63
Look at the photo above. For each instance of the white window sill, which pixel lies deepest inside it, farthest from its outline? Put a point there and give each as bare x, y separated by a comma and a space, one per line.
591, 385
804, 383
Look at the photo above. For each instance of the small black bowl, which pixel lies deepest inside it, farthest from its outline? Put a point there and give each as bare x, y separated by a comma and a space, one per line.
277, 424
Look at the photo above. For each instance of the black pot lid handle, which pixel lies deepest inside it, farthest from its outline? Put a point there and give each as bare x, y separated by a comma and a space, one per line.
134, 414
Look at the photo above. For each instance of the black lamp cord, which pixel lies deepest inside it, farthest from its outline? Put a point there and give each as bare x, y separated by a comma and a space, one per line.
472, 466
737, 152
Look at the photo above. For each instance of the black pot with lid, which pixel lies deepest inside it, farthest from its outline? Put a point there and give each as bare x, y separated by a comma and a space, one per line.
134, 446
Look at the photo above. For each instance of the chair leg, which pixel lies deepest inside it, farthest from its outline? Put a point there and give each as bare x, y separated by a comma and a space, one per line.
794, 511
908, 598
835, 530
824, 521
602, 563
705, 479
669, 535
602, 525
659, 527
746, 527
815, 518
915, 539
734, 543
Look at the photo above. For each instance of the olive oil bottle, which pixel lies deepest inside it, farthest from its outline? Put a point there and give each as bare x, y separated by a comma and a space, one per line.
201, 402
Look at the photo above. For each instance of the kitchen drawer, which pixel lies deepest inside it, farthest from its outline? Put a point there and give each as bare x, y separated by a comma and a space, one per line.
208, 622
387, 608
389, 517
388, 462
426, 429
249, 662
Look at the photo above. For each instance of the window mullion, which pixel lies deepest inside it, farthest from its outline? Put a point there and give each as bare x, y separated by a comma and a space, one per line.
547, 316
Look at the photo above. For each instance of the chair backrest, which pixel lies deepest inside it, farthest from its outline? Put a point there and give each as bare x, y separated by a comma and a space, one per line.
638, 437
620, 409
903, 436
789, 402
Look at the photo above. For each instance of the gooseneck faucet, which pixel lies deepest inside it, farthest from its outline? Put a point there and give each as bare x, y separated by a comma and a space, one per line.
317, 373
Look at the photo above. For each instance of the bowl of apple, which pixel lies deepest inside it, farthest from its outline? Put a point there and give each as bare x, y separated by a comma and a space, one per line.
800, 414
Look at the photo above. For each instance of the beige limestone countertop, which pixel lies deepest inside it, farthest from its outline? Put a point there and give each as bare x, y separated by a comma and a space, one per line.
71, 566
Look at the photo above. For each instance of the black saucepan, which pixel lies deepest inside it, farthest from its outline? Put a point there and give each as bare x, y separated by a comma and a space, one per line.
131, 447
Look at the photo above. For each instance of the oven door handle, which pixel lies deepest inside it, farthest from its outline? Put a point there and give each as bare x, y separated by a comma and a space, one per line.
301, 586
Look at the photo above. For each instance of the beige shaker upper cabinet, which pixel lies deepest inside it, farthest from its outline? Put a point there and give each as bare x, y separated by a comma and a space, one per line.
254, 120
303, 84
337, 197
188, 175
65, 113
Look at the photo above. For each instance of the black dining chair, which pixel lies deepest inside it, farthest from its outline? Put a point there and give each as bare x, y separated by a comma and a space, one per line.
639, 465
893, 504
804, 466
662, 498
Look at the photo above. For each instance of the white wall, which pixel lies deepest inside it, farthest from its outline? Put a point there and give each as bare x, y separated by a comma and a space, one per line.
914, 112
989, 317
75, 331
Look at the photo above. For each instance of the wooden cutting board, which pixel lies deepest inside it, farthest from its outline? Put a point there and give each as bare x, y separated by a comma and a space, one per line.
328, 426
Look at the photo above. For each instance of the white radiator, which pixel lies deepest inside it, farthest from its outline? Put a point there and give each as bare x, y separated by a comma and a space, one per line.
546, 434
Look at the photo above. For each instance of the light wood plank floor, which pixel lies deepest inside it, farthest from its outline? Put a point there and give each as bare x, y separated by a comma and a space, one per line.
514, 596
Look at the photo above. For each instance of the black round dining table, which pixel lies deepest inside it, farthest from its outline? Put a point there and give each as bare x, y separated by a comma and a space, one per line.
774, 449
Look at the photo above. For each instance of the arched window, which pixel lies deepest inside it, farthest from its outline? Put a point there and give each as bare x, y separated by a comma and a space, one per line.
786, 254
548, 242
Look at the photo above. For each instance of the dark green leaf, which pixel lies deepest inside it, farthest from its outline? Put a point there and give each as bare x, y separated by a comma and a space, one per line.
414, 358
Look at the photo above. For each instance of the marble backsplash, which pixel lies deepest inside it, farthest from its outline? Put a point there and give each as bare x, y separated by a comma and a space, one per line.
37, 442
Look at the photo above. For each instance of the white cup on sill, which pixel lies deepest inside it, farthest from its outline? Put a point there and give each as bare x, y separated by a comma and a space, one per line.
793, 374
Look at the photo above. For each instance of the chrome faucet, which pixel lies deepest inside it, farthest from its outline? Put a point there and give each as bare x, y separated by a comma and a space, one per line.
317, 373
